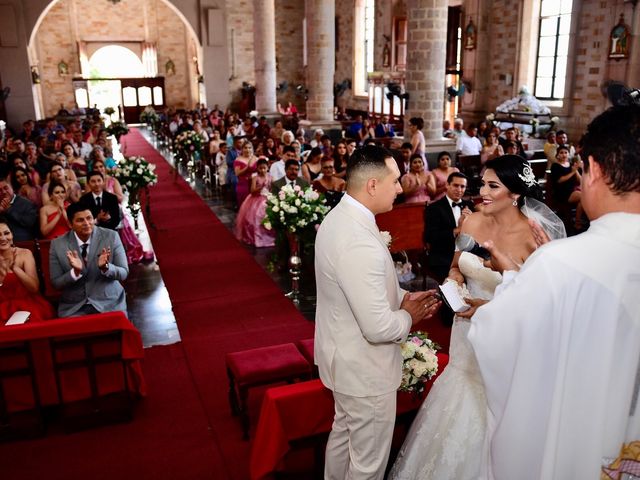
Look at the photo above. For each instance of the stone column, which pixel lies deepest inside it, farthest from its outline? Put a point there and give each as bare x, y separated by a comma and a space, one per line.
426, 57
321, 61
264, 35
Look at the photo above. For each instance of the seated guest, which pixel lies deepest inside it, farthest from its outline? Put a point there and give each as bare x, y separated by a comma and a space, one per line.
384, 128
327, 147
565, 182
340, 158
355, 128
77, 164
23, 185
332, 186
291, 177
103, 205
404, 161
550, 148
511, 148
53, 214
277, 169
443, 220
511, 135
441, 175
58, 174
87, 264
491, 149
19, 280
418, 185
20, 162
20, 214
111, 183
312, 168
469, 144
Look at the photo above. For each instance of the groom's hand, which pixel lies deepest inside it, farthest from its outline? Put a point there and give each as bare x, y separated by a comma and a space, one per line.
420, 305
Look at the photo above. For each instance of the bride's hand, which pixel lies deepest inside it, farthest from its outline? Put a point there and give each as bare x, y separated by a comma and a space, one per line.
475, 303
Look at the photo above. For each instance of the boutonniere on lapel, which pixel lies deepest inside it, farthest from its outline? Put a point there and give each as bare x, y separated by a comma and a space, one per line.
386, 238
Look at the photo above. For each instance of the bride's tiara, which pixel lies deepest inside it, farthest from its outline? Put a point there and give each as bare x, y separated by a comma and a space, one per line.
527, 176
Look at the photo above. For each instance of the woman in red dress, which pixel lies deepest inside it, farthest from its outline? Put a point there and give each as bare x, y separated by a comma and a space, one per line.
53, 214
19, 281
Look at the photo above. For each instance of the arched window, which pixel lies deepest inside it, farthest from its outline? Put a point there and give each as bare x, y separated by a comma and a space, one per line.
364, 24
115, 61
553, 48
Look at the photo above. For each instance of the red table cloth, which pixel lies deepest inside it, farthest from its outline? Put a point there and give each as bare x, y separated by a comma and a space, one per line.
301, 410
39, 333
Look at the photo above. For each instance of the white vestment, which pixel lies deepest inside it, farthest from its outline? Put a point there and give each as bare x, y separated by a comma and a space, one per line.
559, 350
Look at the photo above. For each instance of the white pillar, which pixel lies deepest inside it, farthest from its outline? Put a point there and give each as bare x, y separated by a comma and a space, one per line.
426, 58
321, 51
264, 36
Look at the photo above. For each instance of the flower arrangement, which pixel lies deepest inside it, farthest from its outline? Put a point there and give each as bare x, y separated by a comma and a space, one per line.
117, 129
189, 142
386, 238
134, 174
294, 209
149, 116
420, 362
524, 102
109, 111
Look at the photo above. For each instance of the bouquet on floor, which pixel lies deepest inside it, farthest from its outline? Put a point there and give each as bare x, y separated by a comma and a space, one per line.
420, 362
294, 209
135, 174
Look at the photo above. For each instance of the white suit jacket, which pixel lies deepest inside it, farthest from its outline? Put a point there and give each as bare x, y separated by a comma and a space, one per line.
358, 321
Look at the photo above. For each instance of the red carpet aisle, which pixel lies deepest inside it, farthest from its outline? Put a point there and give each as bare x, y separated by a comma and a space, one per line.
223, 301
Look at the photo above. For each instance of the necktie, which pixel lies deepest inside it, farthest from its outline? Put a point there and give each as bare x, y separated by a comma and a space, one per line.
99, 202
85, 247
454, 204
292, 183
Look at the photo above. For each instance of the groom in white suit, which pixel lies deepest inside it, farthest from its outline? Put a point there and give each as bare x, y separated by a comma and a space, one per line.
362, 316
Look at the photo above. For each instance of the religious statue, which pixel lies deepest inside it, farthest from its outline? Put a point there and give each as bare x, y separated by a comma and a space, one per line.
63, 68
470, 35
619, 40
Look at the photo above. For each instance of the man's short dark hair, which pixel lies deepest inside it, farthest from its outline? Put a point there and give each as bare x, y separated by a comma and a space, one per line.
406, 145
289, 163
350, 140
455, 175
75, 208
613, 141
94, 173
369, 158
288, 148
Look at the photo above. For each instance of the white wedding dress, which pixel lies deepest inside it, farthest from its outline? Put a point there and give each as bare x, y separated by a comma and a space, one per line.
446, 439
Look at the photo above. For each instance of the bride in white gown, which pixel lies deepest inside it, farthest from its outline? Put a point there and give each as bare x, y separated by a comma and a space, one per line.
446, 439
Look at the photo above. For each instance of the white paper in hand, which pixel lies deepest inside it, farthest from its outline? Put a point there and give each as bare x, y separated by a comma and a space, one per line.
18, 318
451, 295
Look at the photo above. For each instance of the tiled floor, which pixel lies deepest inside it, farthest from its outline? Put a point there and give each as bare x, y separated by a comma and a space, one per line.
148, 300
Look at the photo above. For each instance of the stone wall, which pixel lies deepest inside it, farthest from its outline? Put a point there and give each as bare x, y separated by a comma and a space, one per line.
289, 46
344, 55
240, 41
70, 21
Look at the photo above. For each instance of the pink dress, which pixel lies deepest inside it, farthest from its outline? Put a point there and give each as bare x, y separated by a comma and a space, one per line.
420, 195
244, 180
132, 246
441, 182
249, 228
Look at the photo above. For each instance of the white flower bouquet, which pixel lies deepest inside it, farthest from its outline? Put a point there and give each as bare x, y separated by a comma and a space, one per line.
149, 116
294, 209
189, 141
420, 362
134, 174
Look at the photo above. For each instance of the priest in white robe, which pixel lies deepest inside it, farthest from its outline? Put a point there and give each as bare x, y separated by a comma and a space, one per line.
559, 346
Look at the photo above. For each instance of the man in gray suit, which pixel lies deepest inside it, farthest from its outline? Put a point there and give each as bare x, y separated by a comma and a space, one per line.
87, 264
291, 171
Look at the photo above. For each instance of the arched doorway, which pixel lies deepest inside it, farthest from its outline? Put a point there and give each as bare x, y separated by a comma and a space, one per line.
160, 24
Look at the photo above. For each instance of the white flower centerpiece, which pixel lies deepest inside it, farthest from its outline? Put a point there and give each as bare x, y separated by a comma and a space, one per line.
134, 174
189, 143
420, 362
294, 209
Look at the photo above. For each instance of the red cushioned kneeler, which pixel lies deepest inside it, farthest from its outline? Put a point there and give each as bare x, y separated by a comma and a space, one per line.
261, 366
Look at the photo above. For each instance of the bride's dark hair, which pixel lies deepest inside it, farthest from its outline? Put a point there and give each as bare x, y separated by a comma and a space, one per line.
516, 174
